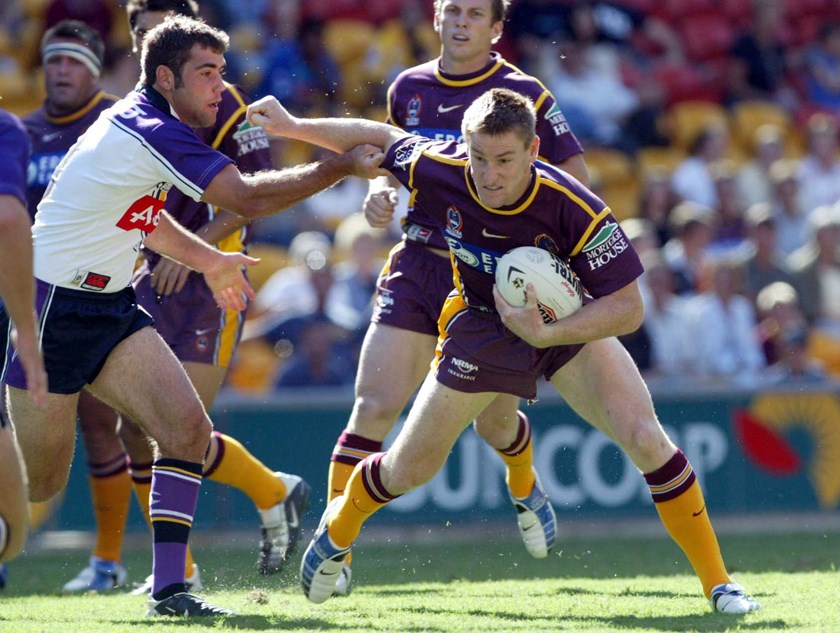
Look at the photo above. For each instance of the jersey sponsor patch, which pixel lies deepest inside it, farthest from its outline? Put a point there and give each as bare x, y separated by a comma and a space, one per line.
250, 138
605, 246
88, 280
41, 167
557, 120
142, 215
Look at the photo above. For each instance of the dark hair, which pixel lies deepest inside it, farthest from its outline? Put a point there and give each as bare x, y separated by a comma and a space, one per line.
498, 7
169, 44
76, 30
499, 111
134, 8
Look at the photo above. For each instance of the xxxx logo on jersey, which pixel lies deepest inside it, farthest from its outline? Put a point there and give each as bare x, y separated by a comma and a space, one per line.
143, 213
765, 431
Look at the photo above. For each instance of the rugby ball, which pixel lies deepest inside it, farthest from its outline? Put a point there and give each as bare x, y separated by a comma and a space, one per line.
558, 288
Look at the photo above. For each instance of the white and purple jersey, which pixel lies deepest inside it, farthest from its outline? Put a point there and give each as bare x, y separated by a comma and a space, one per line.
106, 194
426, 101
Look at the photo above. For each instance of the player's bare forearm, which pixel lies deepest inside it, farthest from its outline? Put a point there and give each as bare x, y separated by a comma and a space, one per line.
223, 224
269, 192
339, 135
175, 242
612, 315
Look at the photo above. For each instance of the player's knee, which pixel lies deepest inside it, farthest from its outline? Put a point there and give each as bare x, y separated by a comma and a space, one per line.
374, 416
642, 438
187, 438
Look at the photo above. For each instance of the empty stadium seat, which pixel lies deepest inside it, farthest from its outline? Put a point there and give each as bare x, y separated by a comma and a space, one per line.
748, 116
348, 40
667, 158
683, 121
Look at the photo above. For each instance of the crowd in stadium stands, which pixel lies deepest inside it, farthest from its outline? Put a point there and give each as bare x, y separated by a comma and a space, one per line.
710, 128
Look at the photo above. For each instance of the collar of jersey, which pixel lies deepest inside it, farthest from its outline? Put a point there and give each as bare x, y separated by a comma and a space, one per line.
157, 100
523, 203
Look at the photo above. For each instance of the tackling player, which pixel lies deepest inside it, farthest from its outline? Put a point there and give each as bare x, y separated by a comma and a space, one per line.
430, 100
106, 198
492, 185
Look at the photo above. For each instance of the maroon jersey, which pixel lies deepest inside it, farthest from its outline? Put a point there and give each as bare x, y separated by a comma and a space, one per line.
556, 213
51, 138
427, 102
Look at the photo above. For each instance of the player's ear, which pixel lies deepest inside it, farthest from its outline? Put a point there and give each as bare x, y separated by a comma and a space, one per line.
164, 77
534, 150
436, 22
498, 27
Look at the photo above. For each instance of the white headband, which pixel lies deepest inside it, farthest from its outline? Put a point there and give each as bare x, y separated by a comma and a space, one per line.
76, 51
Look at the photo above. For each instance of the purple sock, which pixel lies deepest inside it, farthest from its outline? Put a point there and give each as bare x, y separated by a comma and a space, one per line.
175, 485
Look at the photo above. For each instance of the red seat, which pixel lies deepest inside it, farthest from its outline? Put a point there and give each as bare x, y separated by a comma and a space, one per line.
677, 10
686, 82
707, 37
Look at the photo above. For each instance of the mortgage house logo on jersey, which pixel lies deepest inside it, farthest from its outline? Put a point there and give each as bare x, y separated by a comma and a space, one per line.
766, 430
143, 213
557, 120
607, 244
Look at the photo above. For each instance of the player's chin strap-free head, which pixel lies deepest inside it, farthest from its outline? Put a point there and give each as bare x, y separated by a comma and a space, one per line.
78, 52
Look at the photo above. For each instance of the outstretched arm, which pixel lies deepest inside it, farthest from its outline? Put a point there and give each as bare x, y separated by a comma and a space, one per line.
222, 271
269, 192
339, 135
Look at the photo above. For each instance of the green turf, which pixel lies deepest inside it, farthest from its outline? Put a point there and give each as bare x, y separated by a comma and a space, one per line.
588, 585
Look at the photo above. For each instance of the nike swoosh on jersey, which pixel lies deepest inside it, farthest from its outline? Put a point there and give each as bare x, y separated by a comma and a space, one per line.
444, 109
48, 137
487, 233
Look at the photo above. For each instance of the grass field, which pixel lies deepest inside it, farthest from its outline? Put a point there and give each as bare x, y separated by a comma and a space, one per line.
586, 585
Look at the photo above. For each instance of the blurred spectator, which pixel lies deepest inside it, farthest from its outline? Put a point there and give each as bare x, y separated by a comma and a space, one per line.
754, 177
763, 265
402, 43
786, 337
534, 28
819, 169
331, 206
730, 228
795, 365
301, 73
597, 121
816, 268
792, 227
692, 228
97, 14
665, 320
722, 326
822, 68
318, 358
692, 179
656, 200
290, 291
758, 62
642, 235
358, 245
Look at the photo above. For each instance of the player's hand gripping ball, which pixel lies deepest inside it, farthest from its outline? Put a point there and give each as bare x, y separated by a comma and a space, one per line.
558, 288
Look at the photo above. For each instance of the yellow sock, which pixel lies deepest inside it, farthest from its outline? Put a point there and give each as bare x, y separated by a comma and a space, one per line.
357, 504
111, 495
687, 521
682, 508
337, 479
141, 477
228, 462
519, 459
